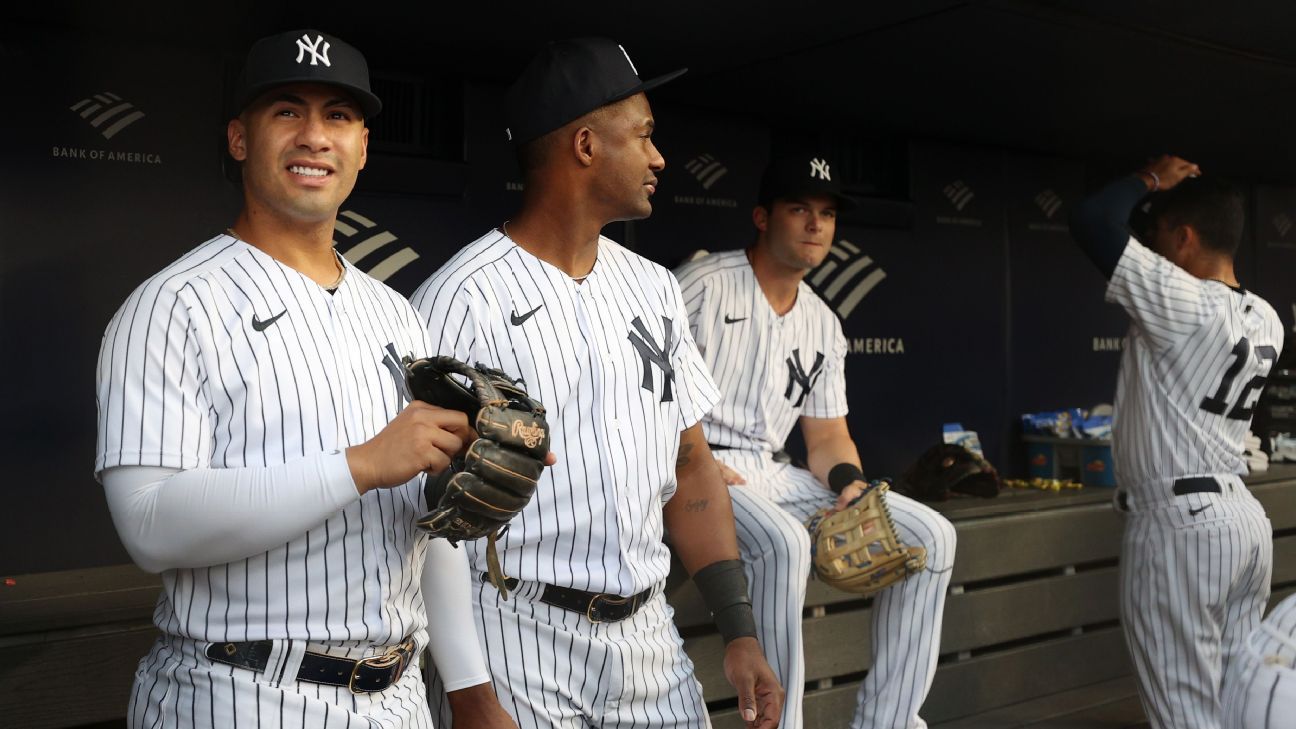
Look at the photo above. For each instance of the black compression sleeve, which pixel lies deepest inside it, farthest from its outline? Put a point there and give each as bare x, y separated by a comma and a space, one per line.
724, 590
1100, 223
843, 475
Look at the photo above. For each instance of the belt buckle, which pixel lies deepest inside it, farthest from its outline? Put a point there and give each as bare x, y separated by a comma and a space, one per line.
395, 657
593, 605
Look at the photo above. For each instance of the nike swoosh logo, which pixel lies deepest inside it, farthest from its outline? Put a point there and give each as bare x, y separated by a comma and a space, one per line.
1195, 512
519, 320
260, 326
731, 320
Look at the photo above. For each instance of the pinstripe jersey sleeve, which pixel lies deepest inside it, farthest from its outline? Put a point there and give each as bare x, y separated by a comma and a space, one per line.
698, 391
1165, 301
694, 290
153, 408
452, 323
829, 399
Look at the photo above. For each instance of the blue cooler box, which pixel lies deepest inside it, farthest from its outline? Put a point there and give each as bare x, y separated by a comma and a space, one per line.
1087, 460
1040, 459
1096, 464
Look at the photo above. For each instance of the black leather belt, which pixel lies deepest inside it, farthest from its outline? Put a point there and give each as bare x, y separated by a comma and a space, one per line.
598, 607
365, 675
1196, 485
1181, 487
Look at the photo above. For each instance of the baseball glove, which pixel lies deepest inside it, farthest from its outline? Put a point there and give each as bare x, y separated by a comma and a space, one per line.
495, 478
946, 468
856, 549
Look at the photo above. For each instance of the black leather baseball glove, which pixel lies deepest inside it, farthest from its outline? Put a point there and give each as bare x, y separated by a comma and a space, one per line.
497, 475
947, 468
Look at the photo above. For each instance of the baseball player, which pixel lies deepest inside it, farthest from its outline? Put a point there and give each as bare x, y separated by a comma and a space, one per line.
779, 357
1260, 686
254, 450
600, 336
1198, 549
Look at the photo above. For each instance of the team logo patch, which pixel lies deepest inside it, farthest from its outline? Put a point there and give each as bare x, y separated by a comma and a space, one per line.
318, 55
819, 168
652, 354
798, 378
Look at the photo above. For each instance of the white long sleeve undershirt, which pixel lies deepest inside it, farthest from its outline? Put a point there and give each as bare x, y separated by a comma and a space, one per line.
201, 517
170, 519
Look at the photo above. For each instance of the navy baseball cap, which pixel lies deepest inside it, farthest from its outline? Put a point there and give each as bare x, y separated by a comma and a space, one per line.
305, 56
802, 174
567, 80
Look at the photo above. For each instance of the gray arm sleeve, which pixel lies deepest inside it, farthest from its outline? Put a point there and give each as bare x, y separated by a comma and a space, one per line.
206, 516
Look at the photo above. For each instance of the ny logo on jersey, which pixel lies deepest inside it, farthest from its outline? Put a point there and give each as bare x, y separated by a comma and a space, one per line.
317, 55
819, 168
797, 376
654, 355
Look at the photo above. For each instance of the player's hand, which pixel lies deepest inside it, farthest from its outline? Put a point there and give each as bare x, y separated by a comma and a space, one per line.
477, 707
848, 494
760, 697
422, 438
730, 476
1169, 171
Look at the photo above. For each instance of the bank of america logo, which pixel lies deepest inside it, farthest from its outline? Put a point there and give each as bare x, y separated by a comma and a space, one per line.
1282, 222
107, 108
959, 194
368, 249
1048, 202
707, 169
845, 277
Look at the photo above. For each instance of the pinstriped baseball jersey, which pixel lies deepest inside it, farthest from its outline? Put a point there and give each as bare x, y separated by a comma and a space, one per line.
226, 359
615, 366
1195, 361
771, 369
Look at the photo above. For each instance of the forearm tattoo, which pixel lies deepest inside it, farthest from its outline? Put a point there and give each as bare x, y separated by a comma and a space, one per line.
696, 504
683, 458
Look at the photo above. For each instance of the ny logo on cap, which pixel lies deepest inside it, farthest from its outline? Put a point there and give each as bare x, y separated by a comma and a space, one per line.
306, 45
819, 168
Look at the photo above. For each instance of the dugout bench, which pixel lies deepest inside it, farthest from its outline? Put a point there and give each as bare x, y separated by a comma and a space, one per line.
1031, 631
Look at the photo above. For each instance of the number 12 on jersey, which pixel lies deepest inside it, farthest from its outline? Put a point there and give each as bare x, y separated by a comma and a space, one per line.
1241, 409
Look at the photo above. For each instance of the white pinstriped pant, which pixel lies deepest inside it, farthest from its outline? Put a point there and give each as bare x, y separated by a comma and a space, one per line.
770, 511
1260, 687
176, 685
1193, 588
554, 669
